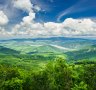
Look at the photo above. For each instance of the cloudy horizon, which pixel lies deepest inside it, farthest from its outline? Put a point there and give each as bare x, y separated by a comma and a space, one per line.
25, 19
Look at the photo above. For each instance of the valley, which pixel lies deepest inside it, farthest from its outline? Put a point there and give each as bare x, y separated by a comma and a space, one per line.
29, 53
48, 63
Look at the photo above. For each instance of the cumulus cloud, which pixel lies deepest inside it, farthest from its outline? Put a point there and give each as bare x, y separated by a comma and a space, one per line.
23, 5
29, 19
80, 27
69, 28
29, 28
3, 21
4, 34
3, 18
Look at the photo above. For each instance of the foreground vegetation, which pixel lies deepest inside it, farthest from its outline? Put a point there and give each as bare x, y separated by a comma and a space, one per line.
56, 75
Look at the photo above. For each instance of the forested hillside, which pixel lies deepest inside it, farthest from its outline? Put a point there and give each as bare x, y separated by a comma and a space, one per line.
50, 64
54, 76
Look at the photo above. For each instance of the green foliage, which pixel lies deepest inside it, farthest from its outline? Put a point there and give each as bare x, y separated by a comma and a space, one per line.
13, 84
57, 75
62, 75
90, 76
80, 86
88, 54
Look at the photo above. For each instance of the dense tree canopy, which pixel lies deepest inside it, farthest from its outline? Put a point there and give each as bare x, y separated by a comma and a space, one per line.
57, 75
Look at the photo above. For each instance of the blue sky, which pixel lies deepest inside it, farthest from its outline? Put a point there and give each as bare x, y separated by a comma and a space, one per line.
63, 12
51, 9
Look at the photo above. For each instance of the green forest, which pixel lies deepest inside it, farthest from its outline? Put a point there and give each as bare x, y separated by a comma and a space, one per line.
56, 75
28, 65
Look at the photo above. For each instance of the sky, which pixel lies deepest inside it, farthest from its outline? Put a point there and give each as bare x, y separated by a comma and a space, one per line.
47, 18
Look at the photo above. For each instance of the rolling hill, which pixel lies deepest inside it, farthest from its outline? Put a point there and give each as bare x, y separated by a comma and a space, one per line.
74, 48
4, 50
88, 54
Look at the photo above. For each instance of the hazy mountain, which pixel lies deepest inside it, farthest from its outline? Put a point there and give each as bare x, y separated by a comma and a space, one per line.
49, 45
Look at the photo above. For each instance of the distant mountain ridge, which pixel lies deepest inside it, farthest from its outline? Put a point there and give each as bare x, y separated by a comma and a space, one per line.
50, 38
49, 45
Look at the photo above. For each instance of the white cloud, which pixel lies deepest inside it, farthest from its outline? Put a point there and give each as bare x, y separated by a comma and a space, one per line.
69, 28
29, 28
3, 21
4, 34
37, 8
23, 5
3, 18
80, 26
29, 19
